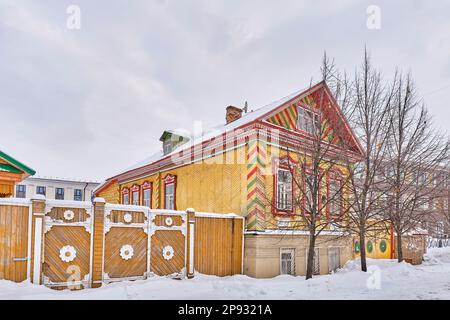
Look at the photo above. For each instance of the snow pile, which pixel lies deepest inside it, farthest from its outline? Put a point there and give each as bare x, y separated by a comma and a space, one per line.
385, 279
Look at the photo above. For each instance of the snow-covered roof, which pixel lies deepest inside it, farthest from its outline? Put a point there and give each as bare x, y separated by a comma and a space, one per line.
40, 177
218, 130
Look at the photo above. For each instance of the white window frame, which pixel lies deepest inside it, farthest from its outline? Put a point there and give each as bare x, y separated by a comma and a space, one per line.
169, 198
147, 202
317, 254
284, 191
292, 252
308, 123
127, 197
338, 257
135, 198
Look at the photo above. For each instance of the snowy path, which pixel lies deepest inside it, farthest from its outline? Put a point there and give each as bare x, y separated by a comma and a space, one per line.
386, 280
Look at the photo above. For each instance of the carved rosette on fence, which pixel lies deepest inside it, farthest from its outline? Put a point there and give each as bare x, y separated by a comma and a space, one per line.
168, 243
126, 243
67, 244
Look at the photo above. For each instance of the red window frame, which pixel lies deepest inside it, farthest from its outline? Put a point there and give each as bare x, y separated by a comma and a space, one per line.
283, 164
147, 186
133, 189
168, 180
125, 191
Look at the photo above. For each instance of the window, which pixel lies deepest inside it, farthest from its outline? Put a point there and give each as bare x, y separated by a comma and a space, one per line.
40, 190
335, 196
78, 195
333, 259
125, 196
135, 197
287, 261
135, 190
170, 188
307, 121
59, 193
167, 147
316, 262
147, 198
308, 199
284, 190
170, 192
21, 191
422, 178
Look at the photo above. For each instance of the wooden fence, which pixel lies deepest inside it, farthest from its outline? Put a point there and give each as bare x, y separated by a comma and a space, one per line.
80, 244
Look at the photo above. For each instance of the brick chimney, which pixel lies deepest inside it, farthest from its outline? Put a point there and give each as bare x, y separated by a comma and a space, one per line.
233, 113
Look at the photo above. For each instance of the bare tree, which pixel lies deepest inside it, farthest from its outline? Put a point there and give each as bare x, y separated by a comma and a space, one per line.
413, 151
311, 162
368, 114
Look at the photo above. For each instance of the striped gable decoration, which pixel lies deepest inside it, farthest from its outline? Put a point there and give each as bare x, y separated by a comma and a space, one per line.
257, 156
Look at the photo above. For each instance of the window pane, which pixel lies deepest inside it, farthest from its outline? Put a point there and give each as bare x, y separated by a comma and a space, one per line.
284, 190
59, 194
78, 195
20, 191
147, 197
40, 190
169, 203
135, 198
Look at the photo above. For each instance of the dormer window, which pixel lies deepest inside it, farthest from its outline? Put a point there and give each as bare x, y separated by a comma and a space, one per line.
171, 141
167, 147
308, 121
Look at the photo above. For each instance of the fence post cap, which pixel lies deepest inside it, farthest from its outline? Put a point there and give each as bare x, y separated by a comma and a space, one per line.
190, 210
99, 200
38, 197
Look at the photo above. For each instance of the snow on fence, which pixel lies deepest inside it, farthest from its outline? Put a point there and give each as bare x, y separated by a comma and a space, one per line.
438, 242
78, 244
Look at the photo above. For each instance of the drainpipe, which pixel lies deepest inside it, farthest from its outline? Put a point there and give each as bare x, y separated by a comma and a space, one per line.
84, 191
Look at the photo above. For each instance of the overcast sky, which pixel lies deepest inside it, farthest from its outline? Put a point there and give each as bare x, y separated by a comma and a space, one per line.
87, 103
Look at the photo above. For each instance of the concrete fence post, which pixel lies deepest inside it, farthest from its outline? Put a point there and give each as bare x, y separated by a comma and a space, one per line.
98, 243
37, 234
190, 242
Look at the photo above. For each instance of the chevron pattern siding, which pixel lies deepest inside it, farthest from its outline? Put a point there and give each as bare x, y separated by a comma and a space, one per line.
257, 156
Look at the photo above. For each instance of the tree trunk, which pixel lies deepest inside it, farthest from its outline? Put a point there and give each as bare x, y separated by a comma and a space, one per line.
362, 244
399, 247
310, 261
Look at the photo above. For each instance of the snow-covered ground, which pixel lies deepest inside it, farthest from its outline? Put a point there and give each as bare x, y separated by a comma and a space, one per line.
386, 279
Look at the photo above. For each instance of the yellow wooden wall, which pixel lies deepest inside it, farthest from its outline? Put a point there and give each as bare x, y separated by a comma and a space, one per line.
274, 152
376, 239
208, 186
111, 193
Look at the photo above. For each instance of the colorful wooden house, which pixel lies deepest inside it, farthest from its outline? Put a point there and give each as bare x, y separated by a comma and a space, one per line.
236, 168
11, 173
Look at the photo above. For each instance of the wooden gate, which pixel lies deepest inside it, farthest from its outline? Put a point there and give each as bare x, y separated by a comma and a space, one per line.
67, 245
126, 242
168, 243
140, 242
13, 242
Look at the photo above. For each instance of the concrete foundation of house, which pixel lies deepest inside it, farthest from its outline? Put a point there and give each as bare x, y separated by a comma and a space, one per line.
264, 259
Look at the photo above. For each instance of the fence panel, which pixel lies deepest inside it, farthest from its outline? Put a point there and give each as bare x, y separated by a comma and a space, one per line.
168, 243
218, 244
67, 244
126, 244
13, 241
81, 244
